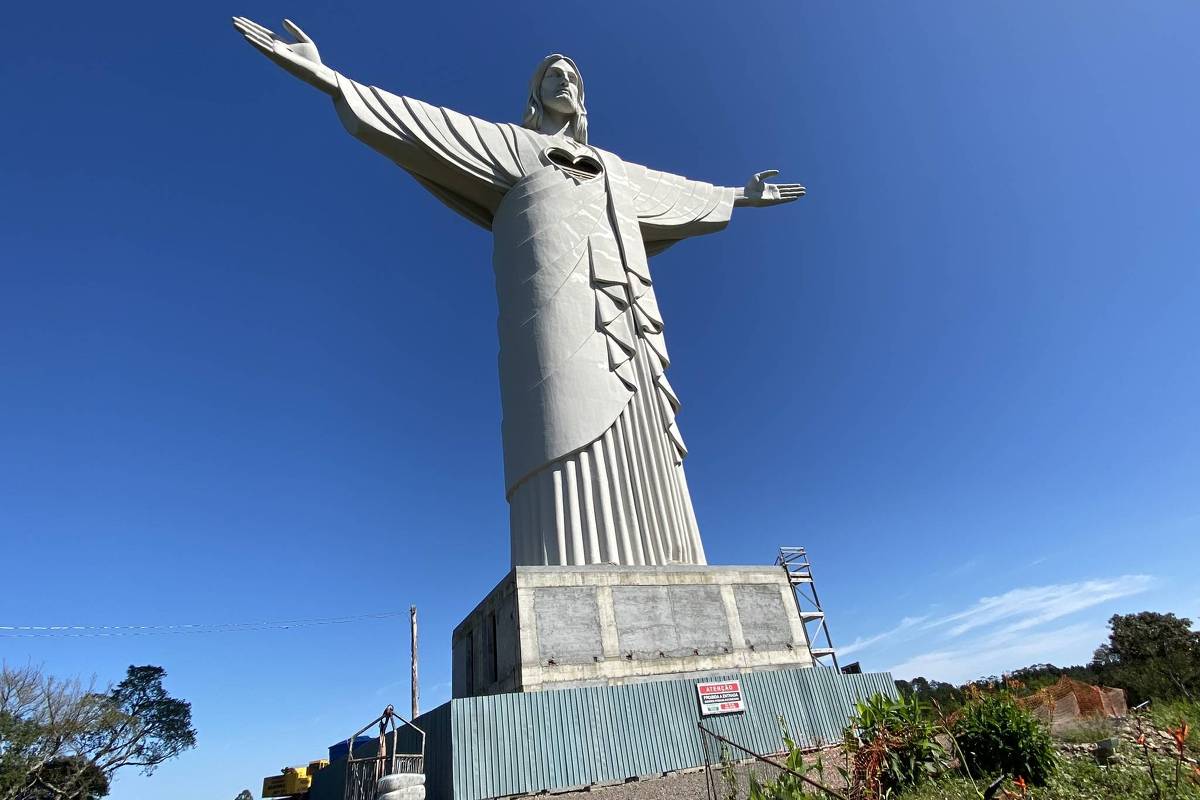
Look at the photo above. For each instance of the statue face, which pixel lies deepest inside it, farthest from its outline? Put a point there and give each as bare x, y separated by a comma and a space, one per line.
560, 88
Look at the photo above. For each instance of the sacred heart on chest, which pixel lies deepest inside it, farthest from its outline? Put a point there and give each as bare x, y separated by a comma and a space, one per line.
580, 167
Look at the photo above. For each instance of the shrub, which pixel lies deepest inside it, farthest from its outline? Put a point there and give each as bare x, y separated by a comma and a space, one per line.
1173, 714
892, 744
997, 736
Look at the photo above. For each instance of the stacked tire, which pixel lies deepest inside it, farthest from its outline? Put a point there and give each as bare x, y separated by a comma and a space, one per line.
401, 786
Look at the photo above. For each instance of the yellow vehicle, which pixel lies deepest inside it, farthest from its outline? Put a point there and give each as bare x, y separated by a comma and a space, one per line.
293, 782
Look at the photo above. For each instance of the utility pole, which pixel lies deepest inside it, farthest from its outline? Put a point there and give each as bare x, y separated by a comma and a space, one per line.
416, 690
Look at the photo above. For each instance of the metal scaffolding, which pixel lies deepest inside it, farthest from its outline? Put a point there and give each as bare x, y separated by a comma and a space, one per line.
794, 561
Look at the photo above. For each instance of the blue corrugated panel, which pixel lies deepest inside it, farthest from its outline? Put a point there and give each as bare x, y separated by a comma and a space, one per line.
484, 747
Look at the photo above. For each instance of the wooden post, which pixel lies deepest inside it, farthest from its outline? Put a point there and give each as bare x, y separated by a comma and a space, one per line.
416, 688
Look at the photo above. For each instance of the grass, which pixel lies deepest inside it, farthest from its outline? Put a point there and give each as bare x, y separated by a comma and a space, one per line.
1169, 715
1076, 775
1080, 779
1085, 731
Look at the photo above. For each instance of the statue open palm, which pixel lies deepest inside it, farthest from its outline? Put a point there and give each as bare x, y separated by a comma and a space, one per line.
758, 192
301, 58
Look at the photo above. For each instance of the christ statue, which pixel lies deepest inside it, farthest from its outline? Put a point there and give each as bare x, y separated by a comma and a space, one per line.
593, 457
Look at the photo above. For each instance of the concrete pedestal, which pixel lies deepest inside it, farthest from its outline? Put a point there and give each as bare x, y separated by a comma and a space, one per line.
562, 627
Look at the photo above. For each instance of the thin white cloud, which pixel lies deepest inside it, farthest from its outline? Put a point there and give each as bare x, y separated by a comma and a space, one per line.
1003, 632
861, 644
1036, 605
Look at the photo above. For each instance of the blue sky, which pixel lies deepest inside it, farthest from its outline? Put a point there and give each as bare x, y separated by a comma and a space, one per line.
247, 368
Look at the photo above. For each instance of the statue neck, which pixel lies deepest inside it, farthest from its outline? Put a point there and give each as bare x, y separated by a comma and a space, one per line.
555, 123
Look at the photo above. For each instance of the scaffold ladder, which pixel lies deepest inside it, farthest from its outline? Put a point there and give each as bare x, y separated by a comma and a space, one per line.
794, 561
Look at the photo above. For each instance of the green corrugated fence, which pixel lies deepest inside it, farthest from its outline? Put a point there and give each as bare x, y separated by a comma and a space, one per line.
484, 747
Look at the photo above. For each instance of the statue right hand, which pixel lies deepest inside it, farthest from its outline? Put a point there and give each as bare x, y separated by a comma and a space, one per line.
300, 58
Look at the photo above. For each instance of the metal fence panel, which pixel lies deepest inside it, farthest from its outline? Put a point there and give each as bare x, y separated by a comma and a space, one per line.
485, 747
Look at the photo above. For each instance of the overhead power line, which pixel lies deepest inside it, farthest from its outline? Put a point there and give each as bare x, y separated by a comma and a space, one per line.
72, 631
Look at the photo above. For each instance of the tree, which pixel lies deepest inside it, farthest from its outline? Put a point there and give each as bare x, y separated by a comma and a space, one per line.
83, 781
41, 721
60, 740
1151, 655
943, 696
143, 726
244, 794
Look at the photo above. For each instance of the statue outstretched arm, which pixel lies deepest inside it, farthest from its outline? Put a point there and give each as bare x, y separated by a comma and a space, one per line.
300, 58
671, 208
757, 192
468, 163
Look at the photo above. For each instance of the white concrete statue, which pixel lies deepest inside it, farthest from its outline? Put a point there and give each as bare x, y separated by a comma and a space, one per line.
593, 458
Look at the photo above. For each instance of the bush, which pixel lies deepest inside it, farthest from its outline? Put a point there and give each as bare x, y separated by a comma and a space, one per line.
998, 736
892, 744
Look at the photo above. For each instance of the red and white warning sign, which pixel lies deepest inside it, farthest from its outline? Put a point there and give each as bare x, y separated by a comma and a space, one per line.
720, 698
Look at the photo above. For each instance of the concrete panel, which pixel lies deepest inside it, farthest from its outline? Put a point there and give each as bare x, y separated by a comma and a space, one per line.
508, 659
701, 625
568, 625
463, 672
486, 660
764, 617
670, 621
645, 622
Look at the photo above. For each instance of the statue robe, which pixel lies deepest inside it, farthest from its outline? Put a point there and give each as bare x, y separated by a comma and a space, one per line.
593, 458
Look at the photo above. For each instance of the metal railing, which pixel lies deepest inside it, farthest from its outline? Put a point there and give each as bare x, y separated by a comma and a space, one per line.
730, 768
363, 774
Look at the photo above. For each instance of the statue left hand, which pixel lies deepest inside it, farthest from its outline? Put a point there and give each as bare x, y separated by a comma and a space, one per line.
301, 58
760, 193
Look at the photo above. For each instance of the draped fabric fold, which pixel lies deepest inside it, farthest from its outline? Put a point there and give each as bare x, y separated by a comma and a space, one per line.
592, 452
620, 500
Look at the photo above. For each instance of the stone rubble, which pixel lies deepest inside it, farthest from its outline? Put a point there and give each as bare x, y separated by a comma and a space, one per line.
1125, 731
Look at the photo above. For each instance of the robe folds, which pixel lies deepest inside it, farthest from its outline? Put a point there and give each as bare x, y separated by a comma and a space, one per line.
593, 457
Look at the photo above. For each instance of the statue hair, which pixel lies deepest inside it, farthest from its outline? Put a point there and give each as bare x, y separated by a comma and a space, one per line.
533, 105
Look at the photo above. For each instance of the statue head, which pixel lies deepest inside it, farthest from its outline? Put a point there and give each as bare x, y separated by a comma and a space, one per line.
557, 86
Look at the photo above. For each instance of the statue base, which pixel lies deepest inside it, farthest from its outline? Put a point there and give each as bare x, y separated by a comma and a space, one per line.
564, 627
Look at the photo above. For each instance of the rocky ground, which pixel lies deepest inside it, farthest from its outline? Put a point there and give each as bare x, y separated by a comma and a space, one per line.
1128, 734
